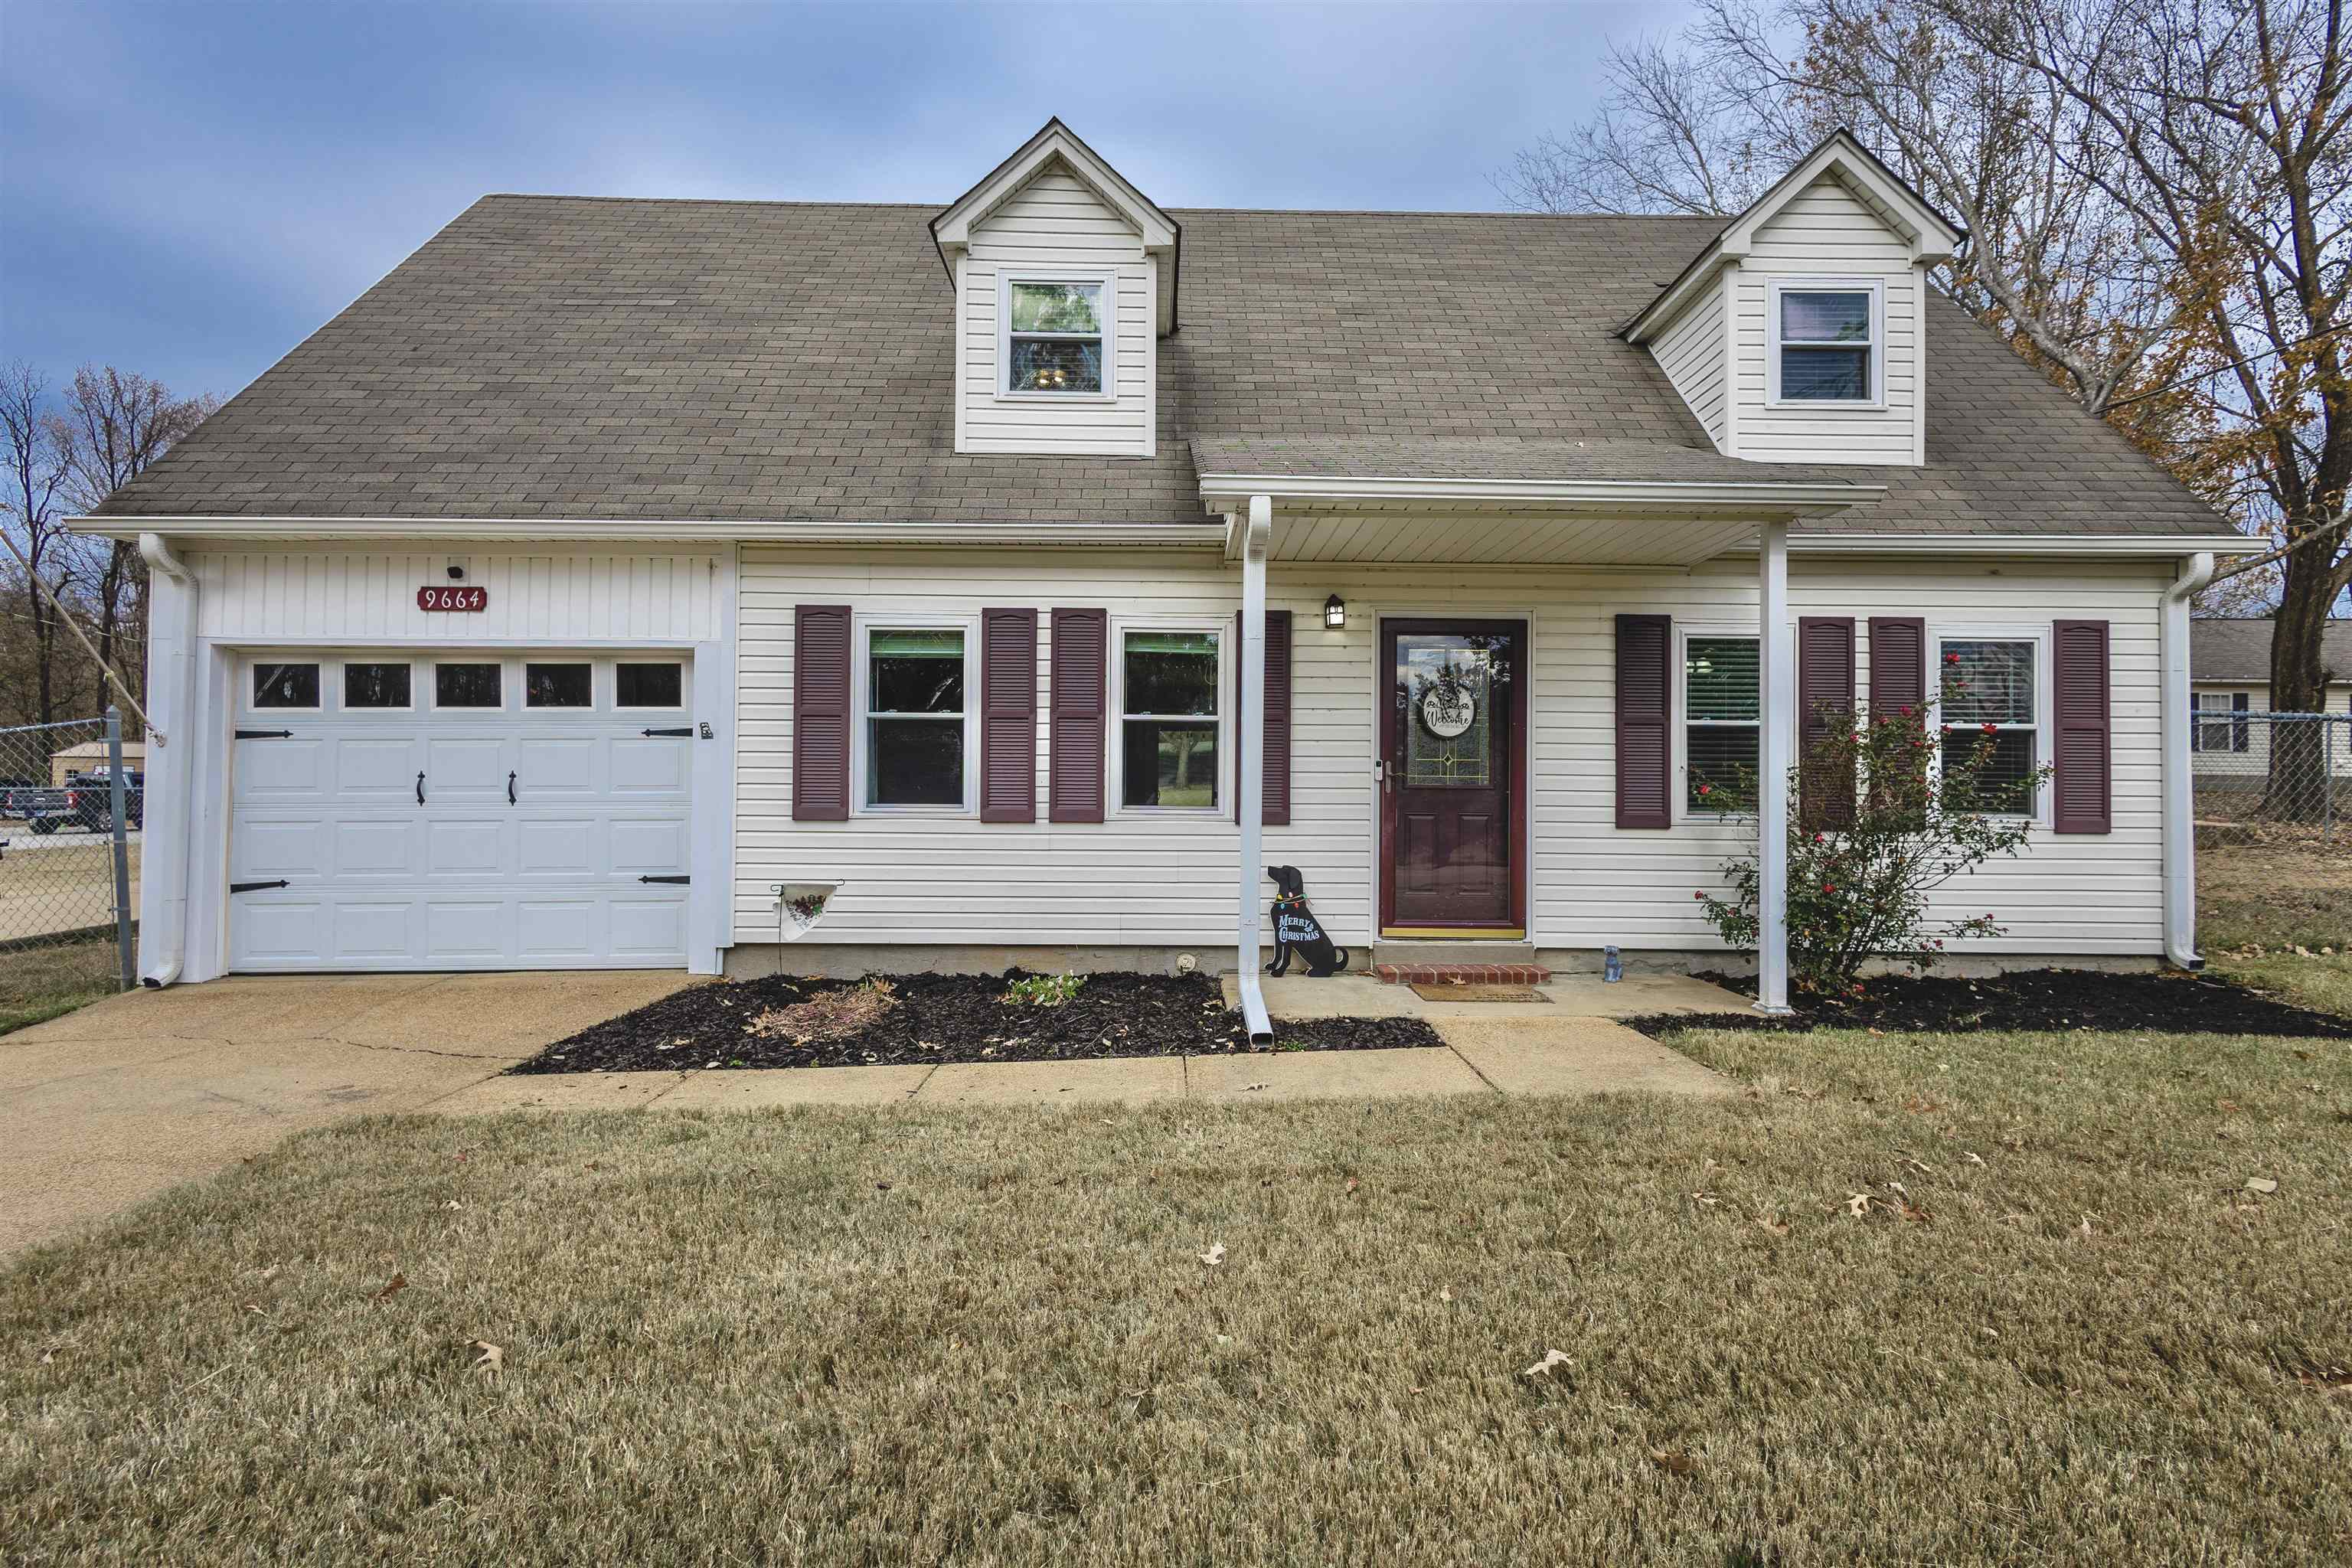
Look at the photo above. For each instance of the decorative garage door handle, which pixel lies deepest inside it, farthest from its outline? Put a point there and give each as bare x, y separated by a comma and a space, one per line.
510, 799
420, 789
680, 880
687, 730
255, 886
265, 734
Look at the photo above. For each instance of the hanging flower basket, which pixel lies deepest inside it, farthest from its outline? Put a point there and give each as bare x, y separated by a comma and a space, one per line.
799, 905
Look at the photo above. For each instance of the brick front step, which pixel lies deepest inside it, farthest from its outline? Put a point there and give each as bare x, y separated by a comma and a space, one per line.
1461, 973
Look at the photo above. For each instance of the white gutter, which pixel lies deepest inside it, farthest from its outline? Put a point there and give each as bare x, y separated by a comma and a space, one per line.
1776, 743
2179, 794
171, 697
1805, 499
2167, 545
1251, 807
661, 530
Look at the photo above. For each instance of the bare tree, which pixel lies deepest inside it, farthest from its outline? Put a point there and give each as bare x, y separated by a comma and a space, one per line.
38, 474
113, 426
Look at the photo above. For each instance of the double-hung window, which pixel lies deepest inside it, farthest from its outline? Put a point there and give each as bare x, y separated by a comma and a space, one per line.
1826, 344
2216, 729
1991, 696
1171, 718
1722, 713
915, 708
1055, 337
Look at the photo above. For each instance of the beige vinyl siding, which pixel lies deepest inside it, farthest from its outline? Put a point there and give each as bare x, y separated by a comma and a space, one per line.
1828, 232
346, 594
1169, 881
1057, 225
1690, 354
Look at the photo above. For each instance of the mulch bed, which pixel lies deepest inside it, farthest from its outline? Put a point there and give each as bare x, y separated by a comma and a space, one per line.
932, 1019
2039, 1000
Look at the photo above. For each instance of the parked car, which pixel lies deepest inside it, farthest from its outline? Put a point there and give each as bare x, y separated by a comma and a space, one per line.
10, 789
88, 802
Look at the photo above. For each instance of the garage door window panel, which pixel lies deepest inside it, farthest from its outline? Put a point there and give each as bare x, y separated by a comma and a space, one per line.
650, 686
370, 685
559, 686
464, 686
286, 686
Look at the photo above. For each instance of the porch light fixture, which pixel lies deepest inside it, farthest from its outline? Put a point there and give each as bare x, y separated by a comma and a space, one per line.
1335, 613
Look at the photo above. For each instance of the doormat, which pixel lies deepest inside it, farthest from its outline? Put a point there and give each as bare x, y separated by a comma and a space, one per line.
1476, 993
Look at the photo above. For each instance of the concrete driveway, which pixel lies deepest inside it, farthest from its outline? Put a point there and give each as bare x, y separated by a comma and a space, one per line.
108, 1105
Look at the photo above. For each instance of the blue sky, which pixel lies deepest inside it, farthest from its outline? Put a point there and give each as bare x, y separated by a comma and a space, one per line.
191, 188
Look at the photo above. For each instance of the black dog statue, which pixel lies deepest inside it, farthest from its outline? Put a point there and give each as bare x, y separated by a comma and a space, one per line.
1295, 929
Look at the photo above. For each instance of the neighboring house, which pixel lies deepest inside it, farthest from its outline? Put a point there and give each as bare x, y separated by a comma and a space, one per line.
612, 563
2230, 673
91, 757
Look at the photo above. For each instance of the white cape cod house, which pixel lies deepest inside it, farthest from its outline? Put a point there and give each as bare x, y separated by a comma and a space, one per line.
1040, 570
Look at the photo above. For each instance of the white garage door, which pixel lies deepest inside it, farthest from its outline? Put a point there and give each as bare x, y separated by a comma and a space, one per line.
460, 811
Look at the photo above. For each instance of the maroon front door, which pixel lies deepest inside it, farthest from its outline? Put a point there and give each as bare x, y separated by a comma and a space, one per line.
1453, 780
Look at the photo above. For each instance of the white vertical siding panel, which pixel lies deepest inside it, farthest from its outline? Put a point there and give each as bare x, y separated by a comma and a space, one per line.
1169, 881
350, 595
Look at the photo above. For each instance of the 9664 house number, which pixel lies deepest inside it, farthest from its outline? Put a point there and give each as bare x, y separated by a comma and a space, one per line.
466, 597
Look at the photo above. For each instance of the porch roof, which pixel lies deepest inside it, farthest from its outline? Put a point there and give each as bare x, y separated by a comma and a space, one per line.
1462, 500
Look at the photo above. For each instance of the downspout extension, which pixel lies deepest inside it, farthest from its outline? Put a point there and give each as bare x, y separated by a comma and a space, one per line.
170, 944
1256, 540
2179, 797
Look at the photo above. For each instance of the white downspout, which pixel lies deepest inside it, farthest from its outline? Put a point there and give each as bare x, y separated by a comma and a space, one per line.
1777, 653
1256, 541
2180, 792
171, 699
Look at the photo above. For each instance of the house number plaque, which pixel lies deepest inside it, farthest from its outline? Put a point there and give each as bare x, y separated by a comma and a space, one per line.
462, 598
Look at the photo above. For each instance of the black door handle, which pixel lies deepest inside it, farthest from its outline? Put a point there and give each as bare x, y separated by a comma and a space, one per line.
420, 789
510, 799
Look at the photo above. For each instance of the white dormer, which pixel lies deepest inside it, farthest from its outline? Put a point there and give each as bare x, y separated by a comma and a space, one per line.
1064, 281
1798, 335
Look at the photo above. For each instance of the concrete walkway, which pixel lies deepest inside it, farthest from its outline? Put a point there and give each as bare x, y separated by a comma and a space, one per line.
112, 1104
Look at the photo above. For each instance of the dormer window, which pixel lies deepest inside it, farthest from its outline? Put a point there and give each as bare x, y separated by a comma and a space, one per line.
1054, 339
1827, 343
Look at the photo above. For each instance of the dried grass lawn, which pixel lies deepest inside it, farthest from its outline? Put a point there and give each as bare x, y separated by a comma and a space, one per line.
37, 983
2286, 887
990, 1337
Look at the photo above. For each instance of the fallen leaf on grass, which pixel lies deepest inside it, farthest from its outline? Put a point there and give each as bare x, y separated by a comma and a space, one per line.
2083, 1229
253, 1307
1552, 1358
1777, 1226
489, 1363
1674, 1461
1445, 1292
1972, 1159
1351, 1184
2261, 1184
1704, 1200
1857, 1204
453, 1204
1215, 1254
2334, 1381
398, 1283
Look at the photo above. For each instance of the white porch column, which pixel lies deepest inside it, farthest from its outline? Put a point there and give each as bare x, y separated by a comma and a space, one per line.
2179, 796
1775, 648
1256, 538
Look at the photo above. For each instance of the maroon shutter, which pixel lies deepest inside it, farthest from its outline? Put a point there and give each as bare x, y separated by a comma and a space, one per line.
1277, 719
1008, 715
2081, 744
1825, 699
1644, 714
1898, 664
1081, 689
820, 717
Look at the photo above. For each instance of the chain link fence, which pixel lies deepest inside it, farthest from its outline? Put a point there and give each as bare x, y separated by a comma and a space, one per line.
2291, 773
72, 807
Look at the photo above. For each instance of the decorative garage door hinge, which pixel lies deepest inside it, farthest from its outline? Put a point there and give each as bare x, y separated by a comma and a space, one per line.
265, 734
678, 879
255, 886
685, 730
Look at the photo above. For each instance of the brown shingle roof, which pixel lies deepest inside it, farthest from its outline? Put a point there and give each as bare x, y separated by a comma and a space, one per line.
577, 357
2239, 649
